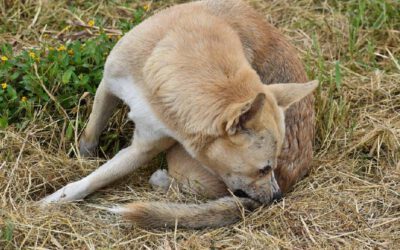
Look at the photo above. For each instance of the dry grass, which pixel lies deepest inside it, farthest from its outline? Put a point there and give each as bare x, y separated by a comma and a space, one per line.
351, 199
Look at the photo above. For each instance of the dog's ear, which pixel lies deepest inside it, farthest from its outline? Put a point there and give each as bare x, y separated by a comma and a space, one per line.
241, 113
288, 93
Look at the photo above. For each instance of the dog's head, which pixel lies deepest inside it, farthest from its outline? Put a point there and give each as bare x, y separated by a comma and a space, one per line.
246, 155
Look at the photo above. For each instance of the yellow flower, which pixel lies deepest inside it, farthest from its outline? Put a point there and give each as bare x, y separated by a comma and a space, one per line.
4, 58
4, 85
71, 52
146, 7
61, 48
90, 23
32, 55
24, 99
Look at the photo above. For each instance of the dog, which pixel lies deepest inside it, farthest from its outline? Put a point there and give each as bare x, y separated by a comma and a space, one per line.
204, 81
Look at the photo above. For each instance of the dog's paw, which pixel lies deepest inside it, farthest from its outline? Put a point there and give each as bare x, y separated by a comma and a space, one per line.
86, 148
71, 192
160, 180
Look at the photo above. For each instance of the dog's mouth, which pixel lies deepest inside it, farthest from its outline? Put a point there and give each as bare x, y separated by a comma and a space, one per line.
240, 193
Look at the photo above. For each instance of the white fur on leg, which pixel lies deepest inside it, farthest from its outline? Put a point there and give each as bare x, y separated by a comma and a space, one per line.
71, 192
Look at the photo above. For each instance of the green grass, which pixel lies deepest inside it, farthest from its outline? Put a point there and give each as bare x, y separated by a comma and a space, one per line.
32, 76
49, 78
54, 72
7, 232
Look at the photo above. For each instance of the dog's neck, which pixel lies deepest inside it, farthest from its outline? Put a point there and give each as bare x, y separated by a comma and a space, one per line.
202, 118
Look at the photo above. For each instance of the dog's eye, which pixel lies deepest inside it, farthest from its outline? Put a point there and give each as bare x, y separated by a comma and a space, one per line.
265, 170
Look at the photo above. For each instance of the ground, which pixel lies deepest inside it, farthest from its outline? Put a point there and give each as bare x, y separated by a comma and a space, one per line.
52, 54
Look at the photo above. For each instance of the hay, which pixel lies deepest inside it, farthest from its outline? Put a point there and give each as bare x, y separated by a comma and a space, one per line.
351, 199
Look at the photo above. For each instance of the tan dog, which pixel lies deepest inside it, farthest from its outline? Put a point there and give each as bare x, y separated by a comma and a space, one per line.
194, 74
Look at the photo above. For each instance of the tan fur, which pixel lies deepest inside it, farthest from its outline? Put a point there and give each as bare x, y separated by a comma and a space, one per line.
192, 176
189, 173
219, 213
194, 74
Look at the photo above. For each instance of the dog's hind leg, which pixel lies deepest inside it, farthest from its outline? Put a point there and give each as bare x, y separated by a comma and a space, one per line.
192, 176
125, 162
104, 105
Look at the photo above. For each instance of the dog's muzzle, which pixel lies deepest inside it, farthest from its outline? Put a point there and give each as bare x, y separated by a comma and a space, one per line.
268, 192
240, 193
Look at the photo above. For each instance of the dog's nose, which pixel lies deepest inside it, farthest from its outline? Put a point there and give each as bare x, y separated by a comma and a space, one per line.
277, 196
241, 193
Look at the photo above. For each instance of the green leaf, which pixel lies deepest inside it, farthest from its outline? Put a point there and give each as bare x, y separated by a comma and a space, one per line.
67, 75
14, 76
8, 231
11, 92
338, 75
3, 122
70, 131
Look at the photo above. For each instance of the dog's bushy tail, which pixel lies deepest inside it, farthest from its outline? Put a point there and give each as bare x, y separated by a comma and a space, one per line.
216, 213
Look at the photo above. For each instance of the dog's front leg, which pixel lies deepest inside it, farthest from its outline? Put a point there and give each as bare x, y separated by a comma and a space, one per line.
126, 161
